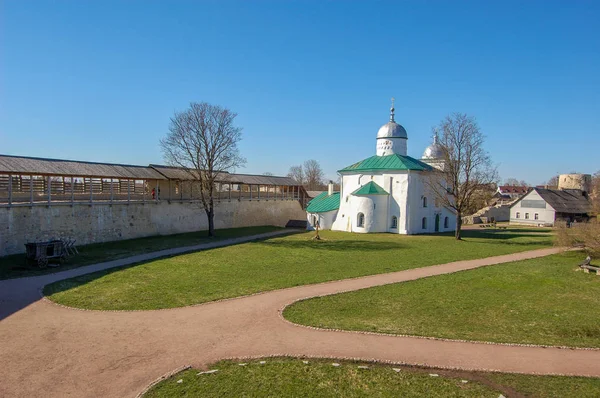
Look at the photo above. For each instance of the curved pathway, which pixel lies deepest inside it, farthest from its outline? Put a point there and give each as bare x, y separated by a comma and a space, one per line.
61, 351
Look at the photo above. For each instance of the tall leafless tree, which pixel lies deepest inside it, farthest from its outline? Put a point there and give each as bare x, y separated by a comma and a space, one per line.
297, 173
467, 167
313, 175
203, 141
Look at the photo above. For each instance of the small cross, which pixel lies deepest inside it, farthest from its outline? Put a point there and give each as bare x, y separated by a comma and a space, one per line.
393, 99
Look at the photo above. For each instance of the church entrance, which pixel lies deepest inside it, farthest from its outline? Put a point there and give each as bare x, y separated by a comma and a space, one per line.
437, 223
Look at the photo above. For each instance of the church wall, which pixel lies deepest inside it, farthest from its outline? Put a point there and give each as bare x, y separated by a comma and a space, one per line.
374, 208
418, 189
405, 202
325, 220
397, 186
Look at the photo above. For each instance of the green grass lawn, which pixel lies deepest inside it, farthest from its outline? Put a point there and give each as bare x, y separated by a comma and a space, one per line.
279, 262
539, 301
15, 266
291, 377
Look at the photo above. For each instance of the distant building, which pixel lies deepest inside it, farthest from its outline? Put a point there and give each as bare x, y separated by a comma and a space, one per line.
545, 207
508, 193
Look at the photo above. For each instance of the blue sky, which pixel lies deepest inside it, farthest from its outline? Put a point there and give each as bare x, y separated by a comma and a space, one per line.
99, 80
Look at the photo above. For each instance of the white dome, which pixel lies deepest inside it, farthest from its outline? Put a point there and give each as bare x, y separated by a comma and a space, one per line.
392, 130
435, 150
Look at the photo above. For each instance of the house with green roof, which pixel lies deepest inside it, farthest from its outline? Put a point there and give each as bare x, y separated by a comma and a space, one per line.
387, 192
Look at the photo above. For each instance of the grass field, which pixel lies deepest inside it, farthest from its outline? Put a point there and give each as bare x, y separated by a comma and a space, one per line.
291, 377
539, 301
15, 266
280, 262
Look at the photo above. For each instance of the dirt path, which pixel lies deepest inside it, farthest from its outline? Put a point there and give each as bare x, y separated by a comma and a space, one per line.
66, 352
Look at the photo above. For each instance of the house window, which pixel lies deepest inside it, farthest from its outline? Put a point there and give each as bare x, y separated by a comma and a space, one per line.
424, 201
446, 222
360, 222
518, 215
536, 216
527, 216
394, 222
424, 223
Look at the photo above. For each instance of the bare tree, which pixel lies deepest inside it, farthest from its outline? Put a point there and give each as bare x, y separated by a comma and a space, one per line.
313, 175
467, 167
297, 173
515, 183
552, 182
203, 141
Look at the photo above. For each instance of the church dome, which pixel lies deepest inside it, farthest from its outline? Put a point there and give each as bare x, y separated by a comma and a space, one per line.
392, 129
435, 150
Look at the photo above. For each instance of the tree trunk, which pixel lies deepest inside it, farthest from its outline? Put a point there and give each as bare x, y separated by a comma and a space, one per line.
210, 214
458, 226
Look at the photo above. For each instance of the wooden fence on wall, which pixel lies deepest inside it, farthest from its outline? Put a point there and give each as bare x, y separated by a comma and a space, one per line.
32, 190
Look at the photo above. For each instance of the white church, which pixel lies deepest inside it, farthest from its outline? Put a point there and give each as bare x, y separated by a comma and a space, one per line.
386, 192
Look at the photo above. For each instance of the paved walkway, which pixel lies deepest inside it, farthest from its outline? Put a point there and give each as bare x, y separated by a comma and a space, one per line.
55, 351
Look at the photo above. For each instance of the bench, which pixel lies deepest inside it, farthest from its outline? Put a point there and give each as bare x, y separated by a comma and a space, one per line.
587, 266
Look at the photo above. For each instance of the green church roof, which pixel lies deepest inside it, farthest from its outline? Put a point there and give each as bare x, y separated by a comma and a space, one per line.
324, 203
390, 162
370, 189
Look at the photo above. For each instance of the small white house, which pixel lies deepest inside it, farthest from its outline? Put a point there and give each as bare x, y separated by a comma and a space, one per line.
543, 207
386, 192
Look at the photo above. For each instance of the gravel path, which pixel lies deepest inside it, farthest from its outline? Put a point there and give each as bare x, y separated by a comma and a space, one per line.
50, 350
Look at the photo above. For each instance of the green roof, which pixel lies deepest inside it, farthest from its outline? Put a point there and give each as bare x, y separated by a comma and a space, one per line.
324, 203
370, 189
390, 162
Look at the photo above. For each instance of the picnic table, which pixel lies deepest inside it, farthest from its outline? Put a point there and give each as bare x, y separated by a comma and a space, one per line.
40, 252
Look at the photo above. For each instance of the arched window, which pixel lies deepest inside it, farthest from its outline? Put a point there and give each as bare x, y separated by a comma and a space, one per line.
360, 222
424, 223
394, 222
446, 222
424, 201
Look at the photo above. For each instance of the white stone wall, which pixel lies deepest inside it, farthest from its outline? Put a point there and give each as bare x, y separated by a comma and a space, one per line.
545, 216
325, 220
406, 190
418, 189
390, 145
102, 223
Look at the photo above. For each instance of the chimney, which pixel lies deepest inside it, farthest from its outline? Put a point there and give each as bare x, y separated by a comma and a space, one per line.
330, 189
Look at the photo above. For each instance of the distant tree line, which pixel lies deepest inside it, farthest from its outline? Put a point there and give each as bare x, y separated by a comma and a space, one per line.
309, 174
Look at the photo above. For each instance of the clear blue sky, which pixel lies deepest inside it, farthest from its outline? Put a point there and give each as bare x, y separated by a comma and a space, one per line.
99, 80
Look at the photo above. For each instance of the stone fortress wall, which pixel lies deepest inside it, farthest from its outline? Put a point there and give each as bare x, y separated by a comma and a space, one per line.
103, 222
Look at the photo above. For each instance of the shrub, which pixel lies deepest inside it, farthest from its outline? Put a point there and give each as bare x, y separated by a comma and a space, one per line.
581, 234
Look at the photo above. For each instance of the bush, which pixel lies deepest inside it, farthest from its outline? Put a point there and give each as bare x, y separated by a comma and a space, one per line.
580, 234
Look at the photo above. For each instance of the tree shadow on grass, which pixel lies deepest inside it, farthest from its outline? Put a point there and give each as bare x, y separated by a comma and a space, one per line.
334, 245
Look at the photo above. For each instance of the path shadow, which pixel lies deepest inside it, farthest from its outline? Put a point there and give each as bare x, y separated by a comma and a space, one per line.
334, 245
18, 293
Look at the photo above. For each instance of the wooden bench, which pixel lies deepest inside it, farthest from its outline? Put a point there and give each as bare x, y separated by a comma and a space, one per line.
587, 266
